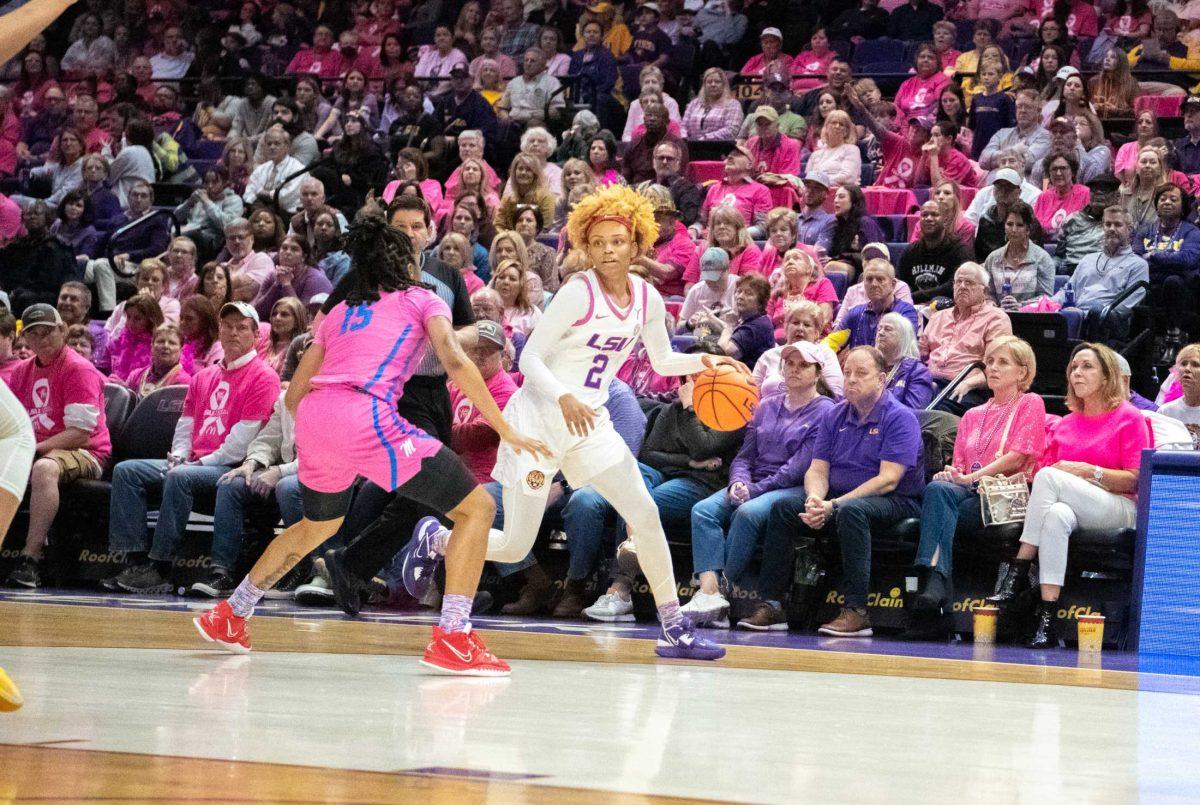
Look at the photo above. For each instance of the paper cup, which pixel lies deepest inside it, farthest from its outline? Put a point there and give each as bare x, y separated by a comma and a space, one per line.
985, 624
1091, 632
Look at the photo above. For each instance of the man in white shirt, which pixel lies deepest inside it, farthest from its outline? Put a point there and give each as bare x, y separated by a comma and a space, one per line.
1010, 159
280, 166
526, 96
174, 60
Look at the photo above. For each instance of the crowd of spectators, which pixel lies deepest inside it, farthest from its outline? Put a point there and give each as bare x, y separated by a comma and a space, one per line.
178, 183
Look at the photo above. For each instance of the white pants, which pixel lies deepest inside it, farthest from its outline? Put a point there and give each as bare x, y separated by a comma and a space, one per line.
104, 276
1060, 502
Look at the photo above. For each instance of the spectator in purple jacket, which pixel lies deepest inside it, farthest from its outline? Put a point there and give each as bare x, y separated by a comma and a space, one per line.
908, 379
728, 525
293, 277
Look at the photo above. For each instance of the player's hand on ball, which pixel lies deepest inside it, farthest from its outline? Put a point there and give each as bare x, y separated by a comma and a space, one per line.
713, 361
579, 417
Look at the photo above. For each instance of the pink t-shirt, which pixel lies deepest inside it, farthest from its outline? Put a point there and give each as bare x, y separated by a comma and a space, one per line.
257, 266
748, 260
783, 157
472, 281
680, 251
1052, 209
1127, 24
899, 168
473, 438
817, 66
328, 64
820, 292
981, 434
55, 397
918, 97
218, 398
750, 199
955, 165
375, 347
1113, 440
757, 63
514, 320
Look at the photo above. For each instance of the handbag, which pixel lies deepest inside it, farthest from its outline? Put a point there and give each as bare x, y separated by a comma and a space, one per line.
1004, 499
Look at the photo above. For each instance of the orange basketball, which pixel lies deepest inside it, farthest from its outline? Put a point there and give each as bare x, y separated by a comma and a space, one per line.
724, 398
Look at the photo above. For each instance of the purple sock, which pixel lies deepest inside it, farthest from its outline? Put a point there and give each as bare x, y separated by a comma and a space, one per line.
669, 614
439, 540
244, 598
456, 613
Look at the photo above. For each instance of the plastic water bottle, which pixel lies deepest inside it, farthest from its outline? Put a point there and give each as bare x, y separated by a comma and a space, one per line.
1069, 295
1006, 288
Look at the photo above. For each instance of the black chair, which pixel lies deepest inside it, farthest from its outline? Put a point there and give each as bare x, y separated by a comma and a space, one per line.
118, 404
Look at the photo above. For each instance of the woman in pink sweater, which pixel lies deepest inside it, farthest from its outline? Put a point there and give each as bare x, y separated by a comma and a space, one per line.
1088, 479
131, 351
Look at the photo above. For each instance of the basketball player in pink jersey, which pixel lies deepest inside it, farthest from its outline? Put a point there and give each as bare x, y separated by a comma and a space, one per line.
588, 330
344, 397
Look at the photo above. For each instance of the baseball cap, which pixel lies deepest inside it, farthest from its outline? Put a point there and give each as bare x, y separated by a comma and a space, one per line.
1007, 175
771, 31
767, 113
460, 69
317, 299
491, 332
807, 350
818, 177
1066, 72
1123, 366
1192, 104
40, 314
743, 150
713, 263
875, 249
650, 7
775, 77
924, 122
244, 308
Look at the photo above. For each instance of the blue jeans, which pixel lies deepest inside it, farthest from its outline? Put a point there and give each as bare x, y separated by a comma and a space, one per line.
675, 497
945, 508
713, 549
229, 517
856, 519
127, 506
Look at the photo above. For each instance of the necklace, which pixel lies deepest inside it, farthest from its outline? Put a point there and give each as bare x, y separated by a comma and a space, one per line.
986, 435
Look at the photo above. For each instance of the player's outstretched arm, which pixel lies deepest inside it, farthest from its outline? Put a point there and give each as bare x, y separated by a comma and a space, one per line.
301, 383
18, 28
658, 347
466, 376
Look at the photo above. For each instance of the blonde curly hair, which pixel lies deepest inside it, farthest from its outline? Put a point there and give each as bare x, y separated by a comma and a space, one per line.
613, 202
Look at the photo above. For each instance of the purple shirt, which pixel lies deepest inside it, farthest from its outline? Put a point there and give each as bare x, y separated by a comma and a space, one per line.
778, 446
862, 321
855, 449
911, 383
754, 335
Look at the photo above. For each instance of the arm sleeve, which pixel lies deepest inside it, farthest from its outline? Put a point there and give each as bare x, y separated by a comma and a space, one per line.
83, 416
266, 448
792, 472
233, 450
181, 442
560, 315
919, 391
739, 469
658, 345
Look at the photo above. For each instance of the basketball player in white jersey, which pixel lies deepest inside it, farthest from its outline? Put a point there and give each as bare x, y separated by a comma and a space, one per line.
16, 458
586, 333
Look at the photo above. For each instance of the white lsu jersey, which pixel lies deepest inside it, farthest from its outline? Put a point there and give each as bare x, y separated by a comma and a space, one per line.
601, 334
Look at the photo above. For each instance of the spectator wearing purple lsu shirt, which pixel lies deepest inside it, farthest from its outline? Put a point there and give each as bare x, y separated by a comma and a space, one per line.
775, 454
879, 283
866, 475
908, 379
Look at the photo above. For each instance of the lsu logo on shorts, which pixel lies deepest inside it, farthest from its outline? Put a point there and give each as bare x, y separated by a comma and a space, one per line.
535, 479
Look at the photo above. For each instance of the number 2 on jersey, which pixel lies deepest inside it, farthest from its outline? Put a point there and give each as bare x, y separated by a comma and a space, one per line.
357, 317
599, 364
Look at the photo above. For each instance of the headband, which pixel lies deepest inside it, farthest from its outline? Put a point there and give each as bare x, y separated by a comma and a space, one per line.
620, 219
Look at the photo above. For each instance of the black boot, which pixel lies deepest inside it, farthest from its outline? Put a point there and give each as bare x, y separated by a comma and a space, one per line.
1014, 583
1045, 633
934, 594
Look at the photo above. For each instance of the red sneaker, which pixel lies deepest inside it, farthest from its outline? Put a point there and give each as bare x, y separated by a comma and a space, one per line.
462, 654
219, 625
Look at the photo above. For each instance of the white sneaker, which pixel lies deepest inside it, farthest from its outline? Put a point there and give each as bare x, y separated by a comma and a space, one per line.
314, 594
706, 609
610, 608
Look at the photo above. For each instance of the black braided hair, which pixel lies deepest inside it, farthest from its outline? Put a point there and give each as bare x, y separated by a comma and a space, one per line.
381, 259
